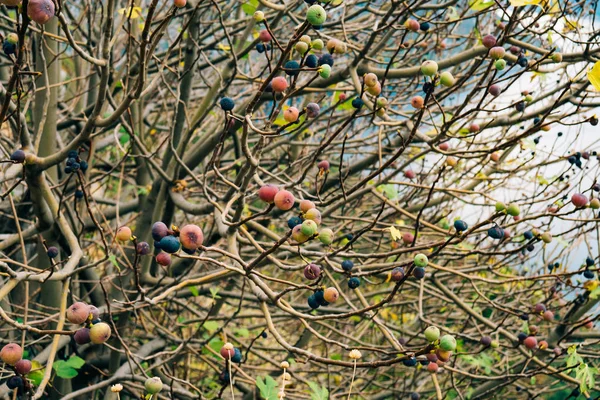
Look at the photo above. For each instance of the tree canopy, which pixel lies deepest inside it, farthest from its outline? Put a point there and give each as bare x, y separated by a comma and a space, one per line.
263, 199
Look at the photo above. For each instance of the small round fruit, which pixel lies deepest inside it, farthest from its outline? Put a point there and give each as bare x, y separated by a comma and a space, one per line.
326, 236
11, 353
374, 90
579, 200
153, 385
497, 52
432, 333
417, 102
227, 104
306, 205
309, 227
313, 303
500, 65
170, 244
353, 282
432, 367
412, 25
291, 114
312, 110
18, 156
410, 174
301, 47
15, 382
279, 84
445, 146
259, 16
297, 234
123, 234
142, 248
595, 203
40, 11
317, 44
330, 294
159, 231
548, 315
82, 336
419, 272
264, 36
163, 258
324, 71
513, 210
486, 341
323, 165
421, 260
460, 225
312, 271
495, 156
191, 237
179, 3
316, 15
100, 332
408, 238
227, 351
397, 274
429, 68
447, 79
494, 90
447, 343
22, 367
52, 252
474, 128
543, 345
489, 41
556, 57
443, 355
546, 237
267, 193
237, 356
370, 79
284, 200
530, 342
78, 313
347, 265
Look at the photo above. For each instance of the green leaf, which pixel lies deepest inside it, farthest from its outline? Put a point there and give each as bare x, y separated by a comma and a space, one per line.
242, 332
318, 392
63, 370
211, 326
194, 290
213, 292
37, 373
75, 362
480, 5
250, 7
113, 259
267, 387
390, 191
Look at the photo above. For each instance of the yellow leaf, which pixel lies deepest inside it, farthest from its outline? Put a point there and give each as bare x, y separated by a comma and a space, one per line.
594, 76
570, 26
519, 3
223, 47
134, 13
395, 233
591, 285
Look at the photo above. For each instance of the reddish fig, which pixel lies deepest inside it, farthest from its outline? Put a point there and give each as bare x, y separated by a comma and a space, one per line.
267, 193
40, 11
191, 237
11, 353
22, 367
284, 200
78, 313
